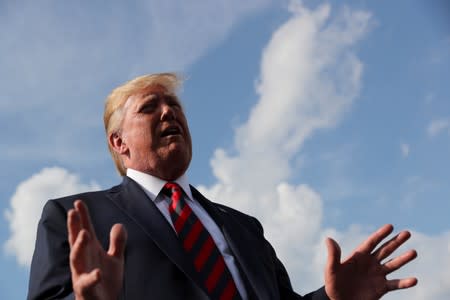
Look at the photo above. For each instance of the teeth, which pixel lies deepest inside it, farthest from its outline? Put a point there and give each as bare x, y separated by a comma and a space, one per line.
170, 131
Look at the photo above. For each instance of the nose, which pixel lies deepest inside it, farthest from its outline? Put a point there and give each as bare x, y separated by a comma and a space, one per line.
167, 112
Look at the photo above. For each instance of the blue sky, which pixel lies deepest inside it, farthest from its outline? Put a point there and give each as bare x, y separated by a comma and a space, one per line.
319, 118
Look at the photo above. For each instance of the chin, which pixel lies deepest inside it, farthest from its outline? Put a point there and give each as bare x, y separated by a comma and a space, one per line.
177, 155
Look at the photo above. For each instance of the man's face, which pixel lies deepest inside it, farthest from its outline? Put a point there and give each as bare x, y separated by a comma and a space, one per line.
155, 136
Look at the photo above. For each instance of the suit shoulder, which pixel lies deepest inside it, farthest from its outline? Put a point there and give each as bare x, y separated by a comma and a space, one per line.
231, 210
243, 217
87, 197
246, 220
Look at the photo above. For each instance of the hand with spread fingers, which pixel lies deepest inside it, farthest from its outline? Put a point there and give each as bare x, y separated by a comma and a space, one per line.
363, 274
96, 274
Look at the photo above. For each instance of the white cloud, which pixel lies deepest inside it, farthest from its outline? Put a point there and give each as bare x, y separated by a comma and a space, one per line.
309, 79
404, 149
433, 275
431, 267
27, 203
437, 126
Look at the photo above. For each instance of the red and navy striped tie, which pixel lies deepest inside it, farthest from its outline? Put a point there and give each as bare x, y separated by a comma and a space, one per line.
199, 245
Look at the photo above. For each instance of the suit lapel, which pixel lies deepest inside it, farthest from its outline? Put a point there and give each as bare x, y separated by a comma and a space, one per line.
133, 201
242, 244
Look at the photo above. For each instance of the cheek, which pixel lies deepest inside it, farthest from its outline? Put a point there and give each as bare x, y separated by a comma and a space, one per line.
145, 138
140, 138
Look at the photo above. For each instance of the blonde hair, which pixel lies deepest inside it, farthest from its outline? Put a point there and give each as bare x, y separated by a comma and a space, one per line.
115, 102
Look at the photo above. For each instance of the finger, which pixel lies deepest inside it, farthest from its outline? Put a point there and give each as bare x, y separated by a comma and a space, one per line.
390, 246
118, 239
400, 261
396, 284
86, 282
334, 256
73, 225
85, 217
375, 238
78, 257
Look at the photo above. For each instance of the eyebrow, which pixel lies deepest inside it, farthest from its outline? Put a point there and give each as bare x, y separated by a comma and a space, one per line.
149, 96
165, 94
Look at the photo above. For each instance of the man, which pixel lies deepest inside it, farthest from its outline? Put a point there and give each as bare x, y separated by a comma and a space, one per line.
177, 244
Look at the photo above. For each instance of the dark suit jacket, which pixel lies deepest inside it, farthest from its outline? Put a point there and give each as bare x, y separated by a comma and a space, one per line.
155, 264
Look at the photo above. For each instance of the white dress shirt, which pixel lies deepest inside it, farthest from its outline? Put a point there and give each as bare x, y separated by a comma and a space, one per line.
153, 185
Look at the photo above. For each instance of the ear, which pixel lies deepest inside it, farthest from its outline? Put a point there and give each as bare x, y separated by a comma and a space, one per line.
118, 144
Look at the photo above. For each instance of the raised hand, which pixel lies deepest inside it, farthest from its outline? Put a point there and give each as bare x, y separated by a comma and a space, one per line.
362, 276
96, 274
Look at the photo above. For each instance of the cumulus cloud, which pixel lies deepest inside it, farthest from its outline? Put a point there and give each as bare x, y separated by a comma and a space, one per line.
309, 79
438, 126
431, 267
27, 203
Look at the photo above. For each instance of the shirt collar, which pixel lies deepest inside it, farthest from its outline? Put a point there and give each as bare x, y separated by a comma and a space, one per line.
153, 185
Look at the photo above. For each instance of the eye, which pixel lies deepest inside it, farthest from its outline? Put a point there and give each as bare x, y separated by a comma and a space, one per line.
148, 106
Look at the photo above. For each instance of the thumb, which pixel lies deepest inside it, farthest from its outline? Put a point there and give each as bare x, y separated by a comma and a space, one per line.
334, 255
117, 240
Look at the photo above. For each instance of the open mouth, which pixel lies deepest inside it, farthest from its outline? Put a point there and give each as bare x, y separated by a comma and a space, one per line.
171, 131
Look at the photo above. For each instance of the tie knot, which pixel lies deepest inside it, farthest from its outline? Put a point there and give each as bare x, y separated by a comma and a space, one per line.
171, 189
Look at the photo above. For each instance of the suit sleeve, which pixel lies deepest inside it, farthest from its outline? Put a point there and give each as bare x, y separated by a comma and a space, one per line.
283, 281
50, 276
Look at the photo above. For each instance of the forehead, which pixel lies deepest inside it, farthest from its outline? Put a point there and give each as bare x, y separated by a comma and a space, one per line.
152, 90
149, 93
